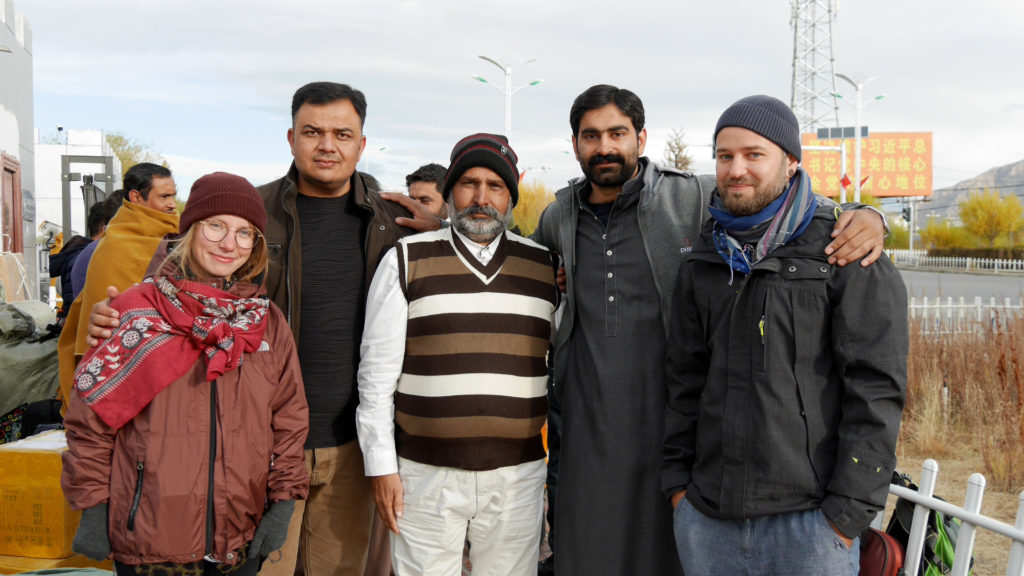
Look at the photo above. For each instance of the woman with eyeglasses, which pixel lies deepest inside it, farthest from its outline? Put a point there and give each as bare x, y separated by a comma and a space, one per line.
186, 427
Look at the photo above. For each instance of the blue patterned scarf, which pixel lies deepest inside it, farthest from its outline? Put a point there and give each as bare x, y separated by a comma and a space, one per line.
743, 241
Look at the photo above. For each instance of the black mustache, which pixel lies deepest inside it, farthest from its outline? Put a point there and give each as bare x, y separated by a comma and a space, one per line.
606, 159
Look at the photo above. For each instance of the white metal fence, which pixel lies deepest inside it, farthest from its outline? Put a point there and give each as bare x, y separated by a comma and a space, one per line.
920, 259
970, 519
949, 316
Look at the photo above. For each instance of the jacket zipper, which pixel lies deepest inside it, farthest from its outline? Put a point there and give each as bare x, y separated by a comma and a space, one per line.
760, 328
213, 458
140, 467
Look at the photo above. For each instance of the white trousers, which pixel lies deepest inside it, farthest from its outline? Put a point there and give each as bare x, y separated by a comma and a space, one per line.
500, 510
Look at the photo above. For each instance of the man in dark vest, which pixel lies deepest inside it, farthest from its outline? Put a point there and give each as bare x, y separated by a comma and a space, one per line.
453, 352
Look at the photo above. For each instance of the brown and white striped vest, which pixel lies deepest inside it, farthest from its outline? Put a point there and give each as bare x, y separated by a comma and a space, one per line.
472, 393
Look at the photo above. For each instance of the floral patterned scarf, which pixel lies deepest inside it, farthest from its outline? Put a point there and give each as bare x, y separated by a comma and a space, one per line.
166, 325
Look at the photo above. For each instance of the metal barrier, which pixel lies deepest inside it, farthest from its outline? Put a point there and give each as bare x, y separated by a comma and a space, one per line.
951, 317
970, 520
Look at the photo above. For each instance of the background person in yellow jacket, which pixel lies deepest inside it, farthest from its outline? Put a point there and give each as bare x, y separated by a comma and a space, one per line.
121, 257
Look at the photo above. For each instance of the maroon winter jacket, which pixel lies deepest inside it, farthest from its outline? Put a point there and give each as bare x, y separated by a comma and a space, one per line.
155, 471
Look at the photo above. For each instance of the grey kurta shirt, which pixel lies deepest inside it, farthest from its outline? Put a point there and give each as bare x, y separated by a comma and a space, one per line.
611, 515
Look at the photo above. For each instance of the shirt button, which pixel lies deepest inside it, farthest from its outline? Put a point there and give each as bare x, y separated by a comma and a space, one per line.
611, 298
230, 556
609, 252
383, 227
792, 268
604, 236
823, 269
610, 274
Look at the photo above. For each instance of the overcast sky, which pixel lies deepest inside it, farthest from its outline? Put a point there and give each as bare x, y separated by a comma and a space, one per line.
209, 83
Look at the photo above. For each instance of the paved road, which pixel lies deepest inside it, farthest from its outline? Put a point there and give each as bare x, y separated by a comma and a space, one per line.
932, 284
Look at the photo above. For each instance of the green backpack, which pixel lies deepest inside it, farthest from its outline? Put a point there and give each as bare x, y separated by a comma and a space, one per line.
940, 535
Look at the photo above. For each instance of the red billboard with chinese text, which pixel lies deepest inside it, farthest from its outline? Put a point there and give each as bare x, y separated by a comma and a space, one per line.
894, 163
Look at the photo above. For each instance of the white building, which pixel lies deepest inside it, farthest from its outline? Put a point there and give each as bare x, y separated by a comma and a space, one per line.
17, 159
49, 184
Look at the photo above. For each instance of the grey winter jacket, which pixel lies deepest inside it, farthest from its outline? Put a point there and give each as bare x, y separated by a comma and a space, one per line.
785, 389
672, 208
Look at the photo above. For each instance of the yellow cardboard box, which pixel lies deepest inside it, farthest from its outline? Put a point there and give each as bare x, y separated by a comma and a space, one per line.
35, 518
19, 564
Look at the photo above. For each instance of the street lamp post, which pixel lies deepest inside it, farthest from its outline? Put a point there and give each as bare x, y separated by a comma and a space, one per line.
508, 90
859, 86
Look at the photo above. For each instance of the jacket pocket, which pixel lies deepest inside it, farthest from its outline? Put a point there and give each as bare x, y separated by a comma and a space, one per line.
140, 470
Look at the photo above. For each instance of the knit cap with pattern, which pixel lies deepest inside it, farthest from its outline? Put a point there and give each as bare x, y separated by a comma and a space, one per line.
487, 150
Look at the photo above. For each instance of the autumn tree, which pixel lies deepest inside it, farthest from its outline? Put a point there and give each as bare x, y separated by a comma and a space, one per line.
939, 233
676, 154
899, 236
988, 216
131, 151
534, 197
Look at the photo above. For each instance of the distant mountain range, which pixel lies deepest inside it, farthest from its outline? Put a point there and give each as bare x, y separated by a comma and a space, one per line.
1009, 179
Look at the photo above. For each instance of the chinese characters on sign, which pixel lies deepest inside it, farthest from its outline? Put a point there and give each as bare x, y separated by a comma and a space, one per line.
895, 163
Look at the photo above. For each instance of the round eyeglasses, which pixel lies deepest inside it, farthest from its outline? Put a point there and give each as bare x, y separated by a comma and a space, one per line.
215, 231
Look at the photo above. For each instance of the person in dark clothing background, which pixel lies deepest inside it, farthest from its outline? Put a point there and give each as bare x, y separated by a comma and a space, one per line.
81, 265
62, 262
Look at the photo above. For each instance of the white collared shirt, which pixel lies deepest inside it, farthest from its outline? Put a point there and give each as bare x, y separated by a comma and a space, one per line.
382, 354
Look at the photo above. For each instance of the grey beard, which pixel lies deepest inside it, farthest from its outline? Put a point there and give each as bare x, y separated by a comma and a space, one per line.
480, 231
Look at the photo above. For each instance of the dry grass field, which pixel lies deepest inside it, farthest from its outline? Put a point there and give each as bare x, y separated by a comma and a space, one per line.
965, 410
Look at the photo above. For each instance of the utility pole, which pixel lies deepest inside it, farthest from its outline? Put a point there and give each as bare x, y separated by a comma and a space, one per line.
814, 85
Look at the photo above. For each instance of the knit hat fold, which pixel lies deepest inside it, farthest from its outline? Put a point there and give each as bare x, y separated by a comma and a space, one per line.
486, 150
766, 116
223, 193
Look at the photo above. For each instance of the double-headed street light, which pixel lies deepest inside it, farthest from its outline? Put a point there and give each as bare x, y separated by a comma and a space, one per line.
508, 90
860, 104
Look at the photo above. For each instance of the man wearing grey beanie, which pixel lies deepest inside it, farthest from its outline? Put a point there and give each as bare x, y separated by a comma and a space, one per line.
622, 230
797, 370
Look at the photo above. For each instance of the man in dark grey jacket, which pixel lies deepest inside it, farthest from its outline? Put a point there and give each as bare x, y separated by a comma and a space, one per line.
786, 375
622, 230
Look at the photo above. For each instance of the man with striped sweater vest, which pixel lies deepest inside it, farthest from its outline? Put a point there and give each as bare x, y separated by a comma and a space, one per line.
457, 328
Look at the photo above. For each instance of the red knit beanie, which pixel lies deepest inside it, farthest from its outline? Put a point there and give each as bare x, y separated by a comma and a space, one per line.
223, 193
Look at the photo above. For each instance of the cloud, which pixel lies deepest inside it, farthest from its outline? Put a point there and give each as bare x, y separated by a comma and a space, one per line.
187, 170
212, 81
